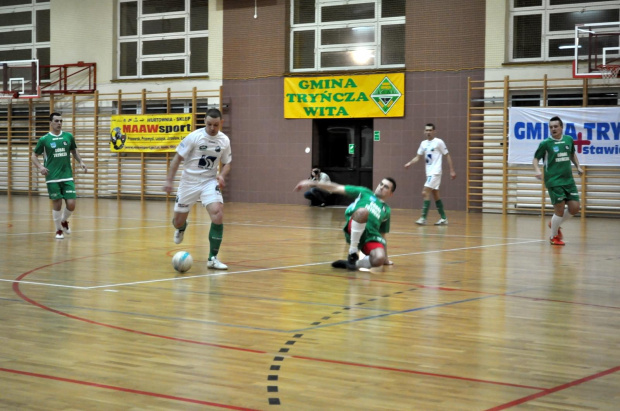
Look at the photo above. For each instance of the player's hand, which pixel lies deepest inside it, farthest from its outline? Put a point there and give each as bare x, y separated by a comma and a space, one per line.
303, 184
407, 165
44, 171
167, 187
538, 176
84, 168
220, 181
579, 171
452, 175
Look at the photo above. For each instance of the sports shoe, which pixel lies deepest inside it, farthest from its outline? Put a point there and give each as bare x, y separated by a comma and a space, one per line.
178, 236
560, 235
442, 221
556, 240
65, 227
59, 235
340, 264
351, 260
216, 264
421, 221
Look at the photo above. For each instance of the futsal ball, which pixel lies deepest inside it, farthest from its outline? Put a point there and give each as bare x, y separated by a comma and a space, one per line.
182, 261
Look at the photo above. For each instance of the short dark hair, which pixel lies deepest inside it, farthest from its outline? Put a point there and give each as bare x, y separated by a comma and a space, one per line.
556, 118
430, 125
214, 113
391, 180
55, 114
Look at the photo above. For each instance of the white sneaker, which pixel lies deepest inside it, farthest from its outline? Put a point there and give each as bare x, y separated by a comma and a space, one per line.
421, 221
178, 236
65, 227
59, 235
216, 264
442, 221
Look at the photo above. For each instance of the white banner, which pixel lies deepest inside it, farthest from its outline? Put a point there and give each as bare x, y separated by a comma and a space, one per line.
596, 131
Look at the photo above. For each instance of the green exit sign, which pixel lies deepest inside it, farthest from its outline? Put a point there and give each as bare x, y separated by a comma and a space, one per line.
377, 135
351, 148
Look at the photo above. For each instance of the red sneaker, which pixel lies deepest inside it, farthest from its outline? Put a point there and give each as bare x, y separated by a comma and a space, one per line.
556, 240
560, 235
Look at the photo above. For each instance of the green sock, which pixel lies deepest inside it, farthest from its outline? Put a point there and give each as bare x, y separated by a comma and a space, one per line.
427, 204
215, 239
439, 205
180, 228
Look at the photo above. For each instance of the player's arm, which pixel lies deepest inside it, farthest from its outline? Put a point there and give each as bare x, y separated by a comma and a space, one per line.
331, 187
575, 161
35, 160
387, 258
413, 161
174, 167
537, 172
452, 173
224, 170
78, 158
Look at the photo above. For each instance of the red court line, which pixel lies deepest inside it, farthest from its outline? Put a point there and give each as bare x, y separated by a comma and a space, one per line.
430, 374
555, 389
129, 390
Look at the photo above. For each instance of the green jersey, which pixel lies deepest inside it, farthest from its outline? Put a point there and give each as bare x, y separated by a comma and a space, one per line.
378, 213
57, 153
557, 156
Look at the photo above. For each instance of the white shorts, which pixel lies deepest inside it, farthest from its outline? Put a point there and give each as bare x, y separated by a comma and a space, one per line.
191, 191
433, 182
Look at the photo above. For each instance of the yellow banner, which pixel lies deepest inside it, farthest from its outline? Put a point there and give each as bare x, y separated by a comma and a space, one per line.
373, 95
149, 132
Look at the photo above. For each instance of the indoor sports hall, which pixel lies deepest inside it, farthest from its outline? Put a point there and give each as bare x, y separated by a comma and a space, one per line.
487, 311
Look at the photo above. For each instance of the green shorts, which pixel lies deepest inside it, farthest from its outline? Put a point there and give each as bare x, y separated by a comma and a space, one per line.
63, 189
563, 193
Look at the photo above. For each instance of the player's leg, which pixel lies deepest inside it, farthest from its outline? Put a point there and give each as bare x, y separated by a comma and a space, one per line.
55, 194
187, 195
357, 227
69, 194
556, 194
214, 203
426, 195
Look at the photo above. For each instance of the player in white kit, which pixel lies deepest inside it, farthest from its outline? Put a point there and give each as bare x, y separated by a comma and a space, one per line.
202, 151
433, 149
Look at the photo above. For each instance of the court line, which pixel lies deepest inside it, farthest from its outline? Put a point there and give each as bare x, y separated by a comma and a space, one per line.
554, 389
221, 273
122, 389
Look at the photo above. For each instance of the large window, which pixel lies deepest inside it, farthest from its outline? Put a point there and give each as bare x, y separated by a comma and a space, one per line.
25, 30
545, 29
163, 38
342, 35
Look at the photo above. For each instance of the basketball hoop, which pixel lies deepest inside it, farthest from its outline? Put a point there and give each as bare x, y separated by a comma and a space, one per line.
609, 72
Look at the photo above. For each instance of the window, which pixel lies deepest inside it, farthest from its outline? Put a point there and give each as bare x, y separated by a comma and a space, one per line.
25, 30
339, 35
545, 29
163, 38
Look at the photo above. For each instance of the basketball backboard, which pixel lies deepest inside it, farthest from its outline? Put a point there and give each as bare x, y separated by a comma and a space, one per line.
20, 78
596, 45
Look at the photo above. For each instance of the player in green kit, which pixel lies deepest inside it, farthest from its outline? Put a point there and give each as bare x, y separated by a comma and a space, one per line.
557, 152
56, 147
368, 220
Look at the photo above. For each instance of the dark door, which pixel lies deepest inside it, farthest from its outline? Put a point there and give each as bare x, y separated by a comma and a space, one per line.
343, 150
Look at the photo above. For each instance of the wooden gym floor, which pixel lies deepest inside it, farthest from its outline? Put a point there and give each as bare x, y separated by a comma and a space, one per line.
483, 314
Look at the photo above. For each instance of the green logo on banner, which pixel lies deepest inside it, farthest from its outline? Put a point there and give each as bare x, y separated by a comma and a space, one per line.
385, 95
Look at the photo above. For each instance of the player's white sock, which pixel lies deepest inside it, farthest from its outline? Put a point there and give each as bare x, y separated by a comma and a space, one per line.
66, 214
364, 263
556, 220
57, 217
357, 229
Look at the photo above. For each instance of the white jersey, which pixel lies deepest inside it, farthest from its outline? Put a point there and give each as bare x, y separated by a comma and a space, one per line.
433, 152
203, 153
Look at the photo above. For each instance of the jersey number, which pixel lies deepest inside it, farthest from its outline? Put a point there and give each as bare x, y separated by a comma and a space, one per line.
429, 158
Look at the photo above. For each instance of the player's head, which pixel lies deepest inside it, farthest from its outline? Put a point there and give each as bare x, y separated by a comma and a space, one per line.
429, 131
556, 127
213, 121
386, 188
56, 122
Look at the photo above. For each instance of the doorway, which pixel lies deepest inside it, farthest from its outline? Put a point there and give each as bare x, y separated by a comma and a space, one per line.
343, 150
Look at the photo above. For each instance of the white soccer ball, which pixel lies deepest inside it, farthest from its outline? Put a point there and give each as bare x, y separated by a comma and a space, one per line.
182, 261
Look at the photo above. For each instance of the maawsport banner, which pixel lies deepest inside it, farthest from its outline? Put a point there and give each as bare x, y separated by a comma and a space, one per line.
149, 132
373, 95
596, 131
